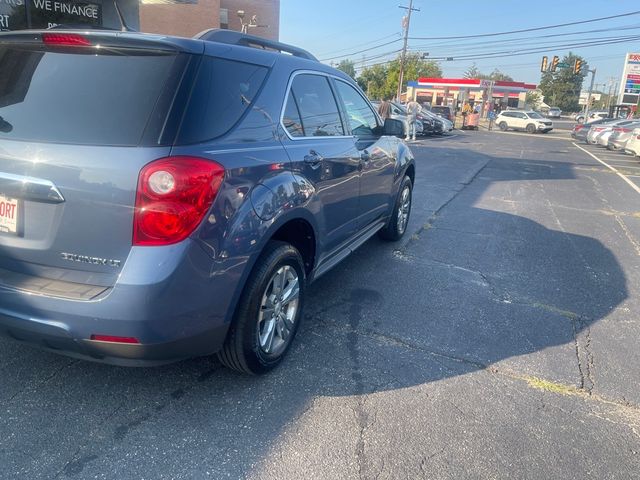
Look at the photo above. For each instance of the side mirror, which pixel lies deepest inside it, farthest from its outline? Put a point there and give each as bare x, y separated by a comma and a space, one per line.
393, 127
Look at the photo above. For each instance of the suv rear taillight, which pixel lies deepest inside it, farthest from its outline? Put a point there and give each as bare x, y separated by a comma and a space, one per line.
174, 194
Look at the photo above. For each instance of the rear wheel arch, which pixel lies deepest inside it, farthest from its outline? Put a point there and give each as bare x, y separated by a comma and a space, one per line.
299, 233
411, 173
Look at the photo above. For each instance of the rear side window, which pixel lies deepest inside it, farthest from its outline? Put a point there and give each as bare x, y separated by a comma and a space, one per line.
316, 105
69, 96
223, 92
291, 118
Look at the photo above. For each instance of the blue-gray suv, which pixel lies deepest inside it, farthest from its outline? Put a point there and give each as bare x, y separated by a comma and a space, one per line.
163, 198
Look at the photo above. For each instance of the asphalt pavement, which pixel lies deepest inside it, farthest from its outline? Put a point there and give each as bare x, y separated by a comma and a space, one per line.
498, 339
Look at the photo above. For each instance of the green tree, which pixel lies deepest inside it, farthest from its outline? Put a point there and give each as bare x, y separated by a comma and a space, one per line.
373, 81
381, 81
348, 67
533, 99
562, 88
472, 72
498, 76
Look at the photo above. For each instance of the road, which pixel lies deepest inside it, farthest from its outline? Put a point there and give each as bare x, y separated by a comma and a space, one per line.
497, 340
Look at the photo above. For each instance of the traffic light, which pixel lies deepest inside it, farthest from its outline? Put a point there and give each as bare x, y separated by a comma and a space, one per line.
543, 66
577, 66
554, 63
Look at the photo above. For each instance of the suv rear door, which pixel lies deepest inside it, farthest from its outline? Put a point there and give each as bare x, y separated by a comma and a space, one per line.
321, 151
72, 121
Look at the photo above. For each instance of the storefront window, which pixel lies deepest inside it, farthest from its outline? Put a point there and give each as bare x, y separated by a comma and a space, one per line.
21, 14
224, 18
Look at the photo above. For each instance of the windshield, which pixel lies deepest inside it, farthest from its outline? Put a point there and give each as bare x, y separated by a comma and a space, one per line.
534, 115
400, 107
67, 97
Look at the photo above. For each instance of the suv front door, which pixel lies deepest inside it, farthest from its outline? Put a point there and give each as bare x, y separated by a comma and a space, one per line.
377, 160
322, 153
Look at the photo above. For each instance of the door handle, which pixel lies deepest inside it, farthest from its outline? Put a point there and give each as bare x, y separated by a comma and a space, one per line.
313, 158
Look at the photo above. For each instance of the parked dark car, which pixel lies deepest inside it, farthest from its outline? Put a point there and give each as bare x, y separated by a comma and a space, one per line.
443, 111
167, 198
428, 124
438, 124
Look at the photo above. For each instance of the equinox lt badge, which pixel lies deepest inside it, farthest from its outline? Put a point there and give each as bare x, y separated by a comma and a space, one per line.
72, 257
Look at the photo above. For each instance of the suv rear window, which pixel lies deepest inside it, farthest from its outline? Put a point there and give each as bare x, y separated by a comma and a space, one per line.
70, 96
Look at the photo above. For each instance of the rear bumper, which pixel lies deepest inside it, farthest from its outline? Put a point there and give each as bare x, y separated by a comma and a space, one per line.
174, 300
56, 337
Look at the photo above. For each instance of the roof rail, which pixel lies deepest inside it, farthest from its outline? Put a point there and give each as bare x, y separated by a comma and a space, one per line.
236, 38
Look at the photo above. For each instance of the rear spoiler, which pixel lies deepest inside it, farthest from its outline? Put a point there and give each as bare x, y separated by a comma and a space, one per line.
102, 38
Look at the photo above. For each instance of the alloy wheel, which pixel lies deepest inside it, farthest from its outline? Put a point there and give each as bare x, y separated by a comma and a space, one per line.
278, 310
403, 211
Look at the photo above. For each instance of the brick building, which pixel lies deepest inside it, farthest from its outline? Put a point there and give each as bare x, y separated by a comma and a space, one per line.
171, 17
186, 18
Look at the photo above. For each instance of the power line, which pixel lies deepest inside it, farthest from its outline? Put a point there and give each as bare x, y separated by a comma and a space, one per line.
361, 51
534, 29
504, 53
480, 45
396, 34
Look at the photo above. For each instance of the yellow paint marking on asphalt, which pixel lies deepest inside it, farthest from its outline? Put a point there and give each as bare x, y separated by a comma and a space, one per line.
621, 175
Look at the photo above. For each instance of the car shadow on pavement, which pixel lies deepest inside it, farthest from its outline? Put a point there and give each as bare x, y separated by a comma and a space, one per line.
472, 289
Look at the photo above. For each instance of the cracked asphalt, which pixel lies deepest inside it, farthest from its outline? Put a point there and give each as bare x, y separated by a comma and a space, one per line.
497, 340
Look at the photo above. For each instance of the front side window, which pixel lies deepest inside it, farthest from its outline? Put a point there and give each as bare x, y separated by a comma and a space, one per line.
362, 120
317, 107
535, 115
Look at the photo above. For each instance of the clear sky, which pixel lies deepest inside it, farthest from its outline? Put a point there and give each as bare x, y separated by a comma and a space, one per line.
335, 28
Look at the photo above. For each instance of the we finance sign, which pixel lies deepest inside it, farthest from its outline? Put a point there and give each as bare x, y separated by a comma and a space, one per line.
21, 14
49, 13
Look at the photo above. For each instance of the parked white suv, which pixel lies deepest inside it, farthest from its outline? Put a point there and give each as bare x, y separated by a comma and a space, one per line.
530, 122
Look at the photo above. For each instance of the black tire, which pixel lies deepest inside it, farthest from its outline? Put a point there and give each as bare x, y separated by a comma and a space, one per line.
503, 126
242, 350
393, 231
531, 128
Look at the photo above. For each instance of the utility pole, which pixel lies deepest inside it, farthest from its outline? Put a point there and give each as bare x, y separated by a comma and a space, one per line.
586, 111
612, 80
406, 21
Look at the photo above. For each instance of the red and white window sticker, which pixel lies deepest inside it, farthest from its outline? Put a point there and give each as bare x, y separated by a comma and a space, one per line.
8, 214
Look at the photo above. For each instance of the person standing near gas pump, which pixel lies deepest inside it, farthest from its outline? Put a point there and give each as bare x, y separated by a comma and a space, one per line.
466, 110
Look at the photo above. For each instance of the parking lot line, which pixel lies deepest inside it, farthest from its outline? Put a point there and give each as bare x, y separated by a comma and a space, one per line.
537, 135
621, 160
624, 177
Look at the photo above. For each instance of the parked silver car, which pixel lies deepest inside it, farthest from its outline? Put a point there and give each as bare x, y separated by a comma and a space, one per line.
599, 134
621, 135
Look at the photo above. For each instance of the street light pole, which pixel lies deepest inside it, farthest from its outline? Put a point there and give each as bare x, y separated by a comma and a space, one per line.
593, 77
404, 46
